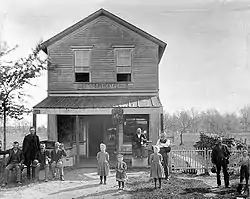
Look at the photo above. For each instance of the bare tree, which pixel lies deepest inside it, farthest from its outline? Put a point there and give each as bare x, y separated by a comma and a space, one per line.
184, 121
13, 76
245, 118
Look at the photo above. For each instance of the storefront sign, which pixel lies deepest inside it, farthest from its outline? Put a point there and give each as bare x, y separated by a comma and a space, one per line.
102, 86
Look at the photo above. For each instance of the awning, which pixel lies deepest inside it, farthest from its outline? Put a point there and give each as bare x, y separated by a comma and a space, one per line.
91, 102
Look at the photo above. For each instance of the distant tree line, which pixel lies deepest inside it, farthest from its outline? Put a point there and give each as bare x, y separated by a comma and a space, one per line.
209, 122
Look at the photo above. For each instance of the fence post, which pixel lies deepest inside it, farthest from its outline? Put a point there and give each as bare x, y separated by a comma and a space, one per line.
206, 159
170, 162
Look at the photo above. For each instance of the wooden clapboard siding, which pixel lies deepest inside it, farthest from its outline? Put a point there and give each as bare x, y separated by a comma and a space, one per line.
101, 34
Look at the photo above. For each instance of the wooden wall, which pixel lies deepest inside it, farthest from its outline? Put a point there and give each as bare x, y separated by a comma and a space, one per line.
102, 33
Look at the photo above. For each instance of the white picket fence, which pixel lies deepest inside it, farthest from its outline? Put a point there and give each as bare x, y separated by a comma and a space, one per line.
197, 161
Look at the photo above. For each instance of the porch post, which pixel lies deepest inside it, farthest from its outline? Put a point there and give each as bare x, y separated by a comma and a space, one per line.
77, 141
52, 128
120, 136
34, 120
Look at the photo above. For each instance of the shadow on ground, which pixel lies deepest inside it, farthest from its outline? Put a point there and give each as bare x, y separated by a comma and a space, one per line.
231, 192
113, 192
76, 188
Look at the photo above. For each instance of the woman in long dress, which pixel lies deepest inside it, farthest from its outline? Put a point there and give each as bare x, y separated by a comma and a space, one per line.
164, 144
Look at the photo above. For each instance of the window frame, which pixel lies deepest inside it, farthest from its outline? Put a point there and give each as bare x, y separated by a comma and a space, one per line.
136, 117
84, 69
119, 50
118, 68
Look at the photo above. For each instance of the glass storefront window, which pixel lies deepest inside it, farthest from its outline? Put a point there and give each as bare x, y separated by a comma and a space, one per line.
131, 123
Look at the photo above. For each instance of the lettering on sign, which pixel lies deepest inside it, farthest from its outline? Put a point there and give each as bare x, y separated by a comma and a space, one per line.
102, 86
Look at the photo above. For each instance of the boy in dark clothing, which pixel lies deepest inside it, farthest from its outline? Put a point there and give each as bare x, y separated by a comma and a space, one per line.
244, 164
220, 156
15, 160
244, 167
42, 162
56, 159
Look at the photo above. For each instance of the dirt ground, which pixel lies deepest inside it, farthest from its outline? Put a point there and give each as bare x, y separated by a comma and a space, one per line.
81, 183
84, 183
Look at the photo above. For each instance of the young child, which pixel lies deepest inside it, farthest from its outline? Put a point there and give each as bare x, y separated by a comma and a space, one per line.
121, 168
103, 165
244, 164
156, 170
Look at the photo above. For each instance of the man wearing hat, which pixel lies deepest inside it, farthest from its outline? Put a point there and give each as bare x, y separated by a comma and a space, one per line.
220, 156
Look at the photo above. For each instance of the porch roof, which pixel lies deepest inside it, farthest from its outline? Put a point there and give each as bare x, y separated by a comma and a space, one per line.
83, 102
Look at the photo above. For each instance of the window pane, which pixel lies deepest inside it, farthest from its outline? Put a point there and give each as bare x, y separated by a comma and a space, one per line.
123, 77
82, 58
82, 77
124, 57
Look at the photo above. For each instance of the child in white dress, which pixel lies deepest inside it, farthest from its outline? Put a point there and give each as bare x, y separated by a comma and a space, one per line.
103, 165
156, 170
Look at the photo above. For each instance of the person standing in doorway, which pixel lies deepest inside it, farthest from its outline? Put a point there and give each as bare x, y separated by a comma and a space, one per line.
164, 144
220, 156
138, 141
31, 146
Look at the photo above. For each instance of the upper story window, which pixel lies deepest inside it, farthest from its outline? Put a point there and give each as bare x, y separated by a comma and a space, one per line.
124, 57
82, 65
82, 58
123, 63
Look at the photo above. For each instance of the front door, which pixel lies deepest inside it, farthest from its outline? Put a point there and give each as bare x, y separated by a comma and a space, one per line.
83, 122
95, 134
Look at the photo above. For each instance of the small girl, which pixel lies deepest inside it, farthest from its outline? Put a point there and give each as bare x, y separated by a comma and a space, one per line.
156, 170
244, 167
121, 168
103, 165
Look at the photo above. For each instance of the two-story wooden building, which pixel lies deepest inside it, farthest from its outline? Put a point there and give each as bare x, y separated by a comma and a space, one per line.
97, 64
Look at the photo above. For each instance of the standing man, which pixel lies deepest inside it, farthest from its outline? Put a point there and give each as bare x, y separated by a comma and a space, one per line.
220, 156
31, 146
164, 144
56, 159
15, 160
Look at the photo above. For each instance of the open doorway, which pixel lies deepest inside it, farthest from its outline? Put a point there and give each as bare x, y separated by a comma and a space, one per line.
95, 133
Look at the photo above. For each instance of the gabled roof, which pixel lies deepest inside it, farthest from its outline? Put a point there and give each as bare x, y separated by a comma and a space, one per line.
102, 12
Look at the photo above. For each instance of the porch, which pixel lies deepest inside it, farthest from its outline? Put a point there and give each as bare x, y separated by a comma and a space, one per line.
82, 123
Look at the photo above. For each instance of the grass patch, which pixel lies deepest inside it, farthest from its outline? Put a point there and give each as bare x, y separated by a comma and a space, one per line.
177, 188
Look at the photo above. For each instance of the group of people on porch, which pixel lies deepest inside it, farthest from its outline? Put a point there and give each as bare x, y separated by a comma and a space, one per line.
35, 157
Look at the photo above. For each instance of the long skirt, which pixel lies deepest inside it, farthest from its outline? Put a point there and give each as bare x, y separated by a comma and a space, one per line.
103, 169
157, 170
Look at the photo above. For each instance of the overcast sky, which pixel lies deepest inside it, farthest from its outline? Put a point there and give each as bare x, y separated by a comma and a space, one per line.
206, 63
